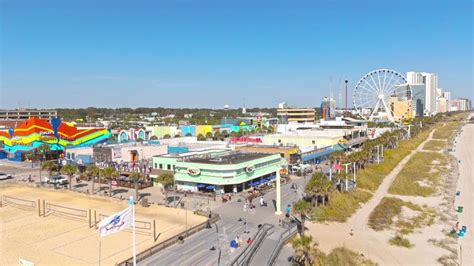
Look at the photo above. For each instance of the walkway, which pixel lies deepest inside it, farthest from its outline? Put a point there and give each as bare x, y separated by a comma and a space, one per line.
364, 240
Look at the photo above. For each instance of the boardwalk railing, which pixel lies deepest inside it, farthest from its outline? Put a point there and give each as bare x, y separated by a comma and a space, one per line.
247, 254
168, 242
284, 237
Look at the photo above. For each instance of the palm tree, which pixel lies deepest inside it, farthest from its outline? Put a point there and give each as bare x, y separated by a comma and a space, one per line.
303, 208
49, 166
208, 135
107, 173
304, 251
92, 171
43, 149
69, 170
200, 137
136, 177
319, 186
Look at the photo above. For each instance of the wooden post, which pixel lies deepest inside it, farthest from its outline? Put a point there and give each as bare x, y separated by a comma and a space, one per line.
90, 219
95, 219
154, 230
39, 208
44, 208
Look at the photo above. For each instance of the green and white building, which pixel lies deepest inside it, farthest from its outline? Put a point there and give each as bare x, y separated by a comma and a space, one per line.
233, 172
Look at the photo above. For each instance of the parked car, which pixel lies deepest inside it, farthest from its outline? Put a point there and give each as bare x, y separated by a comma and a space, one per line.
57, 180
4, 176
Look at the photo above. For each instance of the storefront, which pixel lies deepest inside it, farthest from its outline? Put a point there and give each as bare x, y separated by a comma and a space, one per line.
229, 173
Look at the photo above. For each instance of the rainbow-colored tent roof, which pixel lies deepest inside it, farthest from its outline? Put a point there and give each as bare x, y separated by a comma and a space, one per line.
34, 132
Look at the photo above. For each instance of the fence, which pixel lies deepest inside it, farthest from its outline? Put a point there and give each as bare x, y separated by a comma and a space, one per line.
246, 255
16, 202
284, 237
67, 211
170, 241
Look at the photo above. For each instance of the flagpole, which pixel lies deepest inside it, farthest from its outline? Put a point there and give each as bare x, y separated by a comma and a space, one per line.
100, 249
133, 227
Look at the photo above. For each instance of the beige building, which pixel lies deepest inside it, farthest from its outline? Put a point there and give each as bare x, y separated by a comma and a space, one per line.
401, 109
296, 115
310, 139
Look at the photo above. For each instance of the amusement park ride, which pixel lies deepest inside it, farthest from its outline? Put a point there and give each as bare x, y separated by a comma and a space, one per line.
381, 96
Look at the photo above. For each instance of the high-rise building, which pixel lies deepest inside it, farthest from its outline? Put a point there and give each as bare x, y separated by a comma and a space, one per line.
460, 104
430, 81
414, 78
328, 108
418, 94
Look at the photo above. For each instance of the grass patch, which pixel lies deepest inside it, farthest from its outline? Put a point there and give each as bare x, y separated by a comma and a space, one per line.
344, 256
341, 206
372, 176
382, 216
446, 132
420, 176
400, 241
435, 145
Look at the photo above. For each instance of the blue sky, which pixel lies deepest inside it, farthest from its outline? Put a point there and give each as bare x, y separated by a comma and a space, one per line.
211, 53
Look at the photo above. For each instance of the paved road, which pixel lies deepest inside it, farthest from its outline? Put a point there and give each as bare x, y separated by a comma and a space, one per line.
196, 249
465, 154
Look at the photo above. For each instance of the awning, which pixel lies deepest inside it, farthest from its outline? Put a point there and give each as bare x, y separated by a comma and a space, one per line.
316, 154
339, 147
210, 187
201, 185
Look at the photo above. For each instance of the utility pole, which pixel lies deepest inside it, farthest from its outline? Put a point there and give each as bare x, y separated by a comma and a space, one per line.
346, 110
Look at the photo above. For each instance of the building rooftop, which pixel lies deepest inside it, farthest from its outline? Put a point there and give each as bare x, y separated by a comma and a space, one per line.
233, 158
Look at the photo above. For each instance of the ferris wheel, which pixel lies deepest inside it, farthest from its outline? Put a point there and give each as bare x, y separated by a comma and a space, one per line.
383, 94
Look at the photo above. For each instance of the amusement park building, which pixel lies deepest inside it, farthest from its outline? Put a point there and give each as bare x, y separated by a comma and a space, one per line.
34, 132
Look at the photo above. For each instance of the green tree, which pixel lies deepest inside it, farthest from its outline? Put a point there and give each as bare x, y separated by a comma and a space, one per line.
43, 149
153, 137
200, 137
109, 174
209, 135
167, 136
304, 251
189, 134
70, 170
50, 167
319, 186
166, 179
92, 171
136, 177
225, 134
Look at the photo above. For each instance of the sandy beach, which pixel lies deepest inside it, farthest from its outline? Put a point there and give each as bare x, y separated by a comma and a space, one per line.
464, 152
57, 240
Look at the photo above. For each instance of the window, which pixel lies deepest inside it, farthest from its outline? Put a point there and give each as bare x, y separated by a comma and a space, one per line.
314, 142
161, 166
279, 141
282, 155
168, 167
155, 165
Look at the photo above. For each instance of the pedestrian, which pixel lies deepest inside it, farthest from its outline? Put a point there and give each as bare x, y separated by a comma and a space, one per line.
249, 241
352, 232
239, 242
288, 210
262, 202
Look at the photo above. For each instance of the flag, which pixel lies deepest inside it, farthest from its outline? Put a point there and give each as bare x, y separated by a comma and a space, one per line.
116, 222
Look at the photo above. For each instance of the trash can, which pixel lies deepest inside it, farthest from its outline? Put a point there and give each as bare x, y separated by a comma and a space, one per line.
464, 228
460, 209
